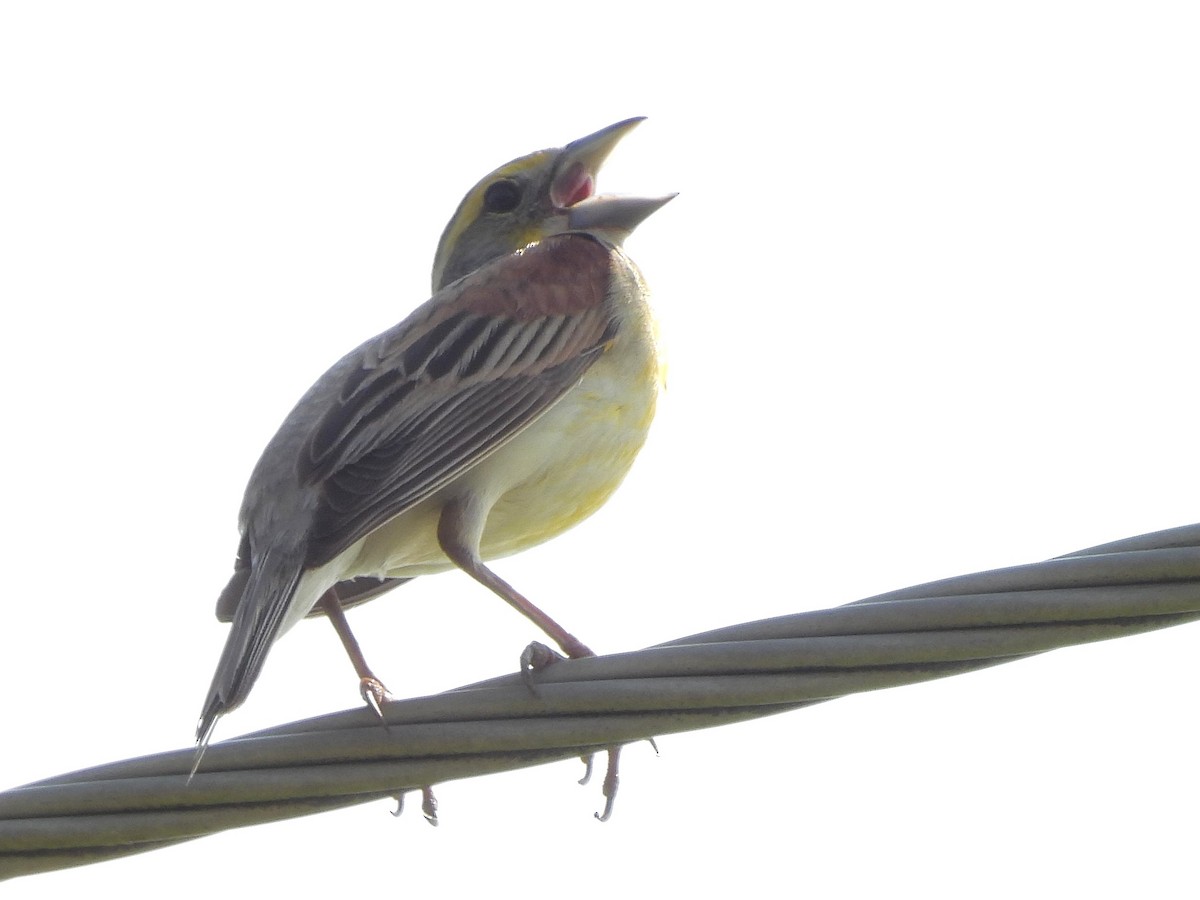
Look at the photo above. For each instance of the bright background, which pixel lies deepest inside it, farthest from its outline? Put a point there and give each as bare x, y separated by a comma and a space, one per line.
929, 292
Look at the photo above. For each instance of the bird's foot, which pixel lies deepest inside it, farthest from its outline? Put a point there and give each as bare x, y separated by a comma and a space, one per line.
535, 658
429, 806
612, 780
589, 763
373, 692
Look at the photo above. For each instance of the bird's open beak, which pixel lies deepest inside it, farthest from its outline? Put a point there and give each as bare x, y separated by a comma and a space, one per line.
580, 161
616, 215
575, 182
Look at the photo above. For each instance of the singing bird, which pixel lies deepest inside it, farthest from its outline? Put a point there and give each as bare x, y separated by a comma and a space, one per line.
502, 411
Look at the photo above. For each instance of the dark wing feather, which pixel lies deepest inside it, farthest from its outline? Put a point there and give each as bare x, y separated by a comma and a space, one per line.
479, 363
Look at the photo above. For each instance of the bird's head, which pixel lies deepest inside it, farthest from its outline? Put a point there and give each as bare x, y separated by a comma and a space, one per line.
531, 198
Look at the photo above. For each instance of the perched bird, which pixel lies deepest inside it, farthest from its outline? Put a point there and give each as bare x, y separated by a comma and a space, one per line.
501, 412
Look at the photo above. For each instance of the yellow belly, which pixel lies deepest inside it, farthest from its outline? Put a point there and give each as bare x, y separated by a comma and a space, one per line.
587, 444
551, 476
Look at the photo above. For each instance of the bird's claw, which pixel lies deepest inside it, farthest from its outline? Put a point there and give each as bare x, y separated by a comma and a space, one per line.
534, 658
374, 694
587, 771
612, 780
538, 656
429, 806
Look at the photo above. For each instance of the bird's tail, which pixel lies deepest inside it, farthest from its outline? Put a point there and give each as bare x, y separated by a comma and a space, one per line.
256, 625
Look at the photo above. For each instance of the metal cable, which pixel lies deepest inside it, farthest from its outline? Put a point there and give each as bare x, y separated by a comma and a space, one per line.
578, 707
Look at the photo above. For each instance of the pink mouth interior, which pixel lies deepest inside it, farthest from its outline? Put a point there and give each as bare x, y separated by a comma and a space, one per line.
572, 186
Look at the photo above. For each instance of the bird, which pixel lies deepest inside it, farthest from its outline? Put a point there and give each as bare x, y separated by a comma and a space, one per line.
502, 411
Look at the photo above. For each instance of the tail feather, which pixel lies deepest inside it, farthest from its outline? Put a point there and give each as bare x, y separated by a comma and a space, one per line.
268, 593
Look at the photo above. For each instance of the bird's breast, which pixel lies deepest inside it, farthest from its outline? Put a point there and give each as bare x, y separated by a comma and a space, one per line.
556, 472
564, 467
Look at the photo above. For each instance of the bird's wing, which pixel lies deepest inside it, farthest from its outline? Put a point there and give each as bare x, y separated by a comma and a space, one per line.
452, 383
409, 411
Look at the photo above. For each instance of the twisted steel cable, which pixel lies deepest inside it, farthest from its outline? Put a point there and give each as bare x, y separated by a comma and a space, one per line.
579, 707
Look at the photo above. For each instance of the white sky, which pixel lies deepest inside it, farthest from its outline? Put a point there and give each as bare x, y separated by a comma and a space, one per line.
929, 293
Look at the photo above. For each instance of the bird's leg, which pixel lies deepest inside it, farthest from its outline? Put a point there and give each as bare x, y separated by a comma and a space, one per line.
370, 687
458, 535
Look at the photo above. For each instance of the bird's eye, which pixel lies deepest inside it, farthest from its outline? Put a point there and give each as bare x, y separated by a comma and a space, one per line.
502, 196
